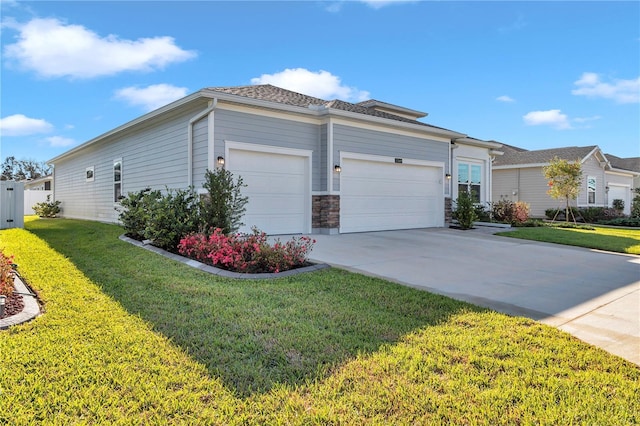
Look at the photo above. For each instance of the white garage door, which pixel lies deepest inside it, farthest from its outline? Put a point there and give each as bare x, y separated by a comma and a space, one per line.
620, 193
383, 195
277, 187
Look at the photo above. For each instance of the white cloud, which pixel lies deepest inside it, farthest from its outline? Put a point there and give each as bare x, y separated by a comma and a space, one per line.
621, 91
321, 84
505, 98
151, 97
59, 141
553, 117
21, 125
52, 48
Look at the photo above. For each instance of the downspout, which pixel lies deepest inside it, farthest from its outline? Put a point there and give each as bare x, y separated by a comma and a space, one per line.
212, 105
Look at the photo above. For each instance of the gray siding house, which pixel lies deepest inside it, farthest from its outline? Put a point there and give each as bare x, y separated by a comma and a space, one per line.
310, 165
517, 176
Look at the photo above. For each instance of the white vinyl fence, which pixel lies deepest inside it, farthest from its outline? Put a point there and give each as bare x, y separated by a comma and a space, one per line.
32, 196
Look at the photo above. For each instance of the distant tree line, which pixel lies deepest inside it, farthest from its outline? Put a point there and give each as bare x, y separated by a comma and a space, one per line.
14, 169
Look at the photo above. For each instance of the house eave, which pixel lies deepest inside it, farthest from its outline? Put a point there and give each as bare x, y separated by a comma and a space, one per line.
519, 166
323, 111
479, 143
155, 113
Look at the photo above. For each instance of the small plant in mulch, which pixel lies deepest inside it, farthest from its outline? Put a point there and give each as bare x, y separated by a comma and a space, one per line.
13, 302
247, 253
6, 275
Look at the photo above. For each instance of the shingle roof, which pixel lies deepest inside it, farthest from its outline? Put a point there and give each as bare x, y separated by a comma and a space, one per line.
268, 92
632, 163
515, 156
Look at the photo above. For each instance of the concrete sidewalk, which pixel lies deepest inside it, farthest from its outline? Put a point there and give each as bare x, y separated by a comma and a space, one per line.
593, 295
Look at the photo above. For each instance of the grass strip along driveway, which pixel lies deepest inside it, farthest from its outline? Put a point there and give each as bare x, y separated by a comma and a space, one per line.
620, 240
129, 337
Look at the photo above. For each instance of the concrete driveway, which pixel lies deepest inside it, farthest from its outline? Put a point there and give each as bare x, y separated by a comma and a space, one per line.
593, 295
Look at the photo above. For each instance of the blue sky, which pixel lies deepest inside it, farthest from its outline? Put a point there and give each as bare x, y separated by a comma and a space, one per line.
531, 74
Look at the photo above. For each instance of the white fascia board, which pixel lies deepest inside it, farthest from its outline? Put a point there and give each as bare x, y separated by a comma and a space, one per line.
519, 166
449, 134
128, 125
621, 172
593, 152
478, 143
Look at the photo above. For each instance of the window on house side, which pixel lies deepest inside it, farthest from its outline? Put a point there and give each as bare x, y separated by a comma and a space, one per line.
591, 190
470, 180
89, 176
117, 180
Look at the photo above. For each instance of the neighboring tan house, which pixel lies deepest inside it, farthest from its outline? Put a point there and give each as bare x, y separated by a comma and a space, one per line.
517, 176
310, 165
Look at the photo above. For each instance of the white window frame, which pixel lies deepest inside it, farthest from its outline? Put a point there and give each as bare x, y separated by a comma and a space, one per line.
469, 164
117, 183
89, 174
592, 189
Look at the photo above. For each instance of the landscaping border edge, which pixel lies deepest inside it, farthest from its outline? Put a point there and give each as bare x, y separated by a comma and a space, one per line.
222, 272
31, 307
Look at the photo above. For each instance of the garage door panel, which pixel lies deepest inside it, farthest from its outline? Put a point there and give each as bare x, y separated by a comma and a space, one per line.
378, 196
287, 183
277, 186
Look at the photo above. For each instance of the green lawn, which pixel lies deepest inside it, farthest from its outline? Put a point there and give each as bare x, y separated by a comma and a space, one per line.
131, 338
621, 240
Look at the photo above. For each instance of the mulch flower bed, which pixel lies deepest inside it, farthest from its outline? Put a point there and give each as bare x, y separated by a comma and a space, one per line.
13, 305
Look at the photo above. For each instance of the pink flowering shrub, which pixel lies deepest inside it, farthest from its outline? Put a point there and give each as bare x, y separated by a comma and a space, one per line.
6, 275
521, 212
249, 253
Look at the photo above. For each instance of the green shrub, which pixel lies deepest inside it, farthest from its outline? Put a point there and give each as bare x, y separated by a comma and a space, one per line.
465, 212
483, 212
635, 204
48, 208
224, 204
559, 214
618, 204
591, 214
622, 221
172, 216
134, 211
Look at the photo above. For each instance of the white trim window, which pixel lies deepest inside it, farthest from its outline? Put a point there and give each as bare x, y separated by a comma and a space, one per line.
591, 189
117, 180
89, 174
470, 180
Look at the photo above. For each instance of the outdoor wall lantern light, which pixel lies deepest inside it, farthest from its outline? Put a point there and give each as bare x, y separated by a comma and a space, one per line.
337, 168
448, 176
221, 161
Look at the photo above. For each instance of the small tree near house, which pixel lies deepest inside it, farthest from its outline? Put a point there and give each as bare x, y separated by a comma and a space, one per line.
564, 180
224, 205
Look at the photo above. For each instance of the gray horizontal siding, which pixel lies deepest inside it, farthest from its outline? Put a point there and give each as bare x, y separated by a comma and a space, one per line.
200, 151
250, 128
365, 141
153, 155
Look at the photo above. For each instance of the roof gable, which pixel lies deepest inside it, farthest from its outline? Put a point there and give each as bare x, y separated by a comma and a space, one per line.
516, 156
632, 163
270, 93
